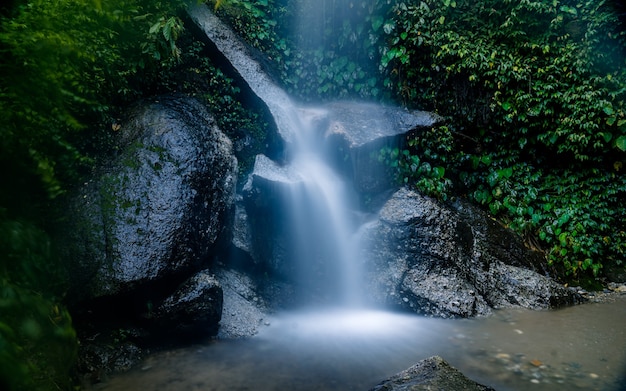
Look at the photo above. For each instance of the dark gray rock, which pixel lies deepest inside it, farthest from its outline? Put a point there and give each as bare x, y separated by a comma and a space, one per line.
242, 234
159, 209
248, 67
264, 199
431, 259
245, 310
141, 232
195, 307
357, 132
432, 373
97, 360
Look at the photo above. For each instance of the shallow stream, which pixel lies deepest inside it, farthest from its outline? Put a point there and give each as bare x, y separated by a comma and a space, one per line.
576, 348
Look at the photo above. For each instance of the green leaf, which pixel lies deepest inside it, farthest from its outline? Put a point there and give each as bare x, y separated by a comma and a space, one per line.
439, 172
505, 173
569, 10
377, 22
155, 27
621, 143
563, 219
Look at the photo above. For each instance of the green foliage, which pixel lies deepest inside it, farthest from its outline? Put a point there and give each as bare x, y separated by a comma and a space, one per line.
421, 164
37, 341
63, 63
243, 125
64, 66
534, 92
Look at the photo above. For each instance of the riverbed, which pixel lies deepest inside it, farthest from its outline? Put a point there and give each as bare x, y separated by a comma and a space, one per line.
576, 348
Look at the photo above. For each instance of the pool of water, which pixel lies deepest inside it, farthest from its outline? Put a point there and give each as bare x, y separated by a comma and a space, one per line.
576, 348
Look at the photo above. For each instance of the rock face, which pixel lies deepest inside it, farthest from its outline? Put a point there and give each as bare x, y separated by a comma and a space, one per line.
430, 374
358, 131
428, 258
142, 232
159, 208
196, 306
264, 197
247, 68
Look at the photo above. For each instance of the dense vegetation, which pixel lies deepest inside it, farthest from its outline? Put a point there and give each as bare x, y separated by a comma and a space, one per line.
532, 91
535, 93
68, 70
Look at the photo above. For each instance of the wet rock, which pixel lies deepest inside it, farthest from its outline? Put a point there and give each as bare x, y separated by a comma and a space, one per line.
248, 67
264, 197
430, 374
269, 174
107, 352
242, 252
195, 307
244, 308
158, 209
428, 258
617, 287
356, 132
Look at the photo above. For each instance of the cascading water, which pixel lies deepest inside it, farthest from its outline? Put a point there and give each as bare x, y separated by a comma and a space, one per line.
319, 208
318, 205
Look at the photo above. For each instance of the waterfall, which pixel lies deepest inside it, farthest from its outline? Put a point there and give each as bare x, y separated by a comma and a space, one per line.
320, 209
317, 250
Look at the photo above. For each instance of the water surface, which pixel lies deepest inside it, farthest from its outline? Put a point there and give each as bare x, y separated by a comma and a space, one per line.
576, 348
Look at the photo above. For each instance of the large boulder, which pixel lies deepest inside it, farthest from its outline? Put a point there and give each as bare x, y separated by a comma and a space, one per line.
157, 211
141, 234
432, 259
432, 373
